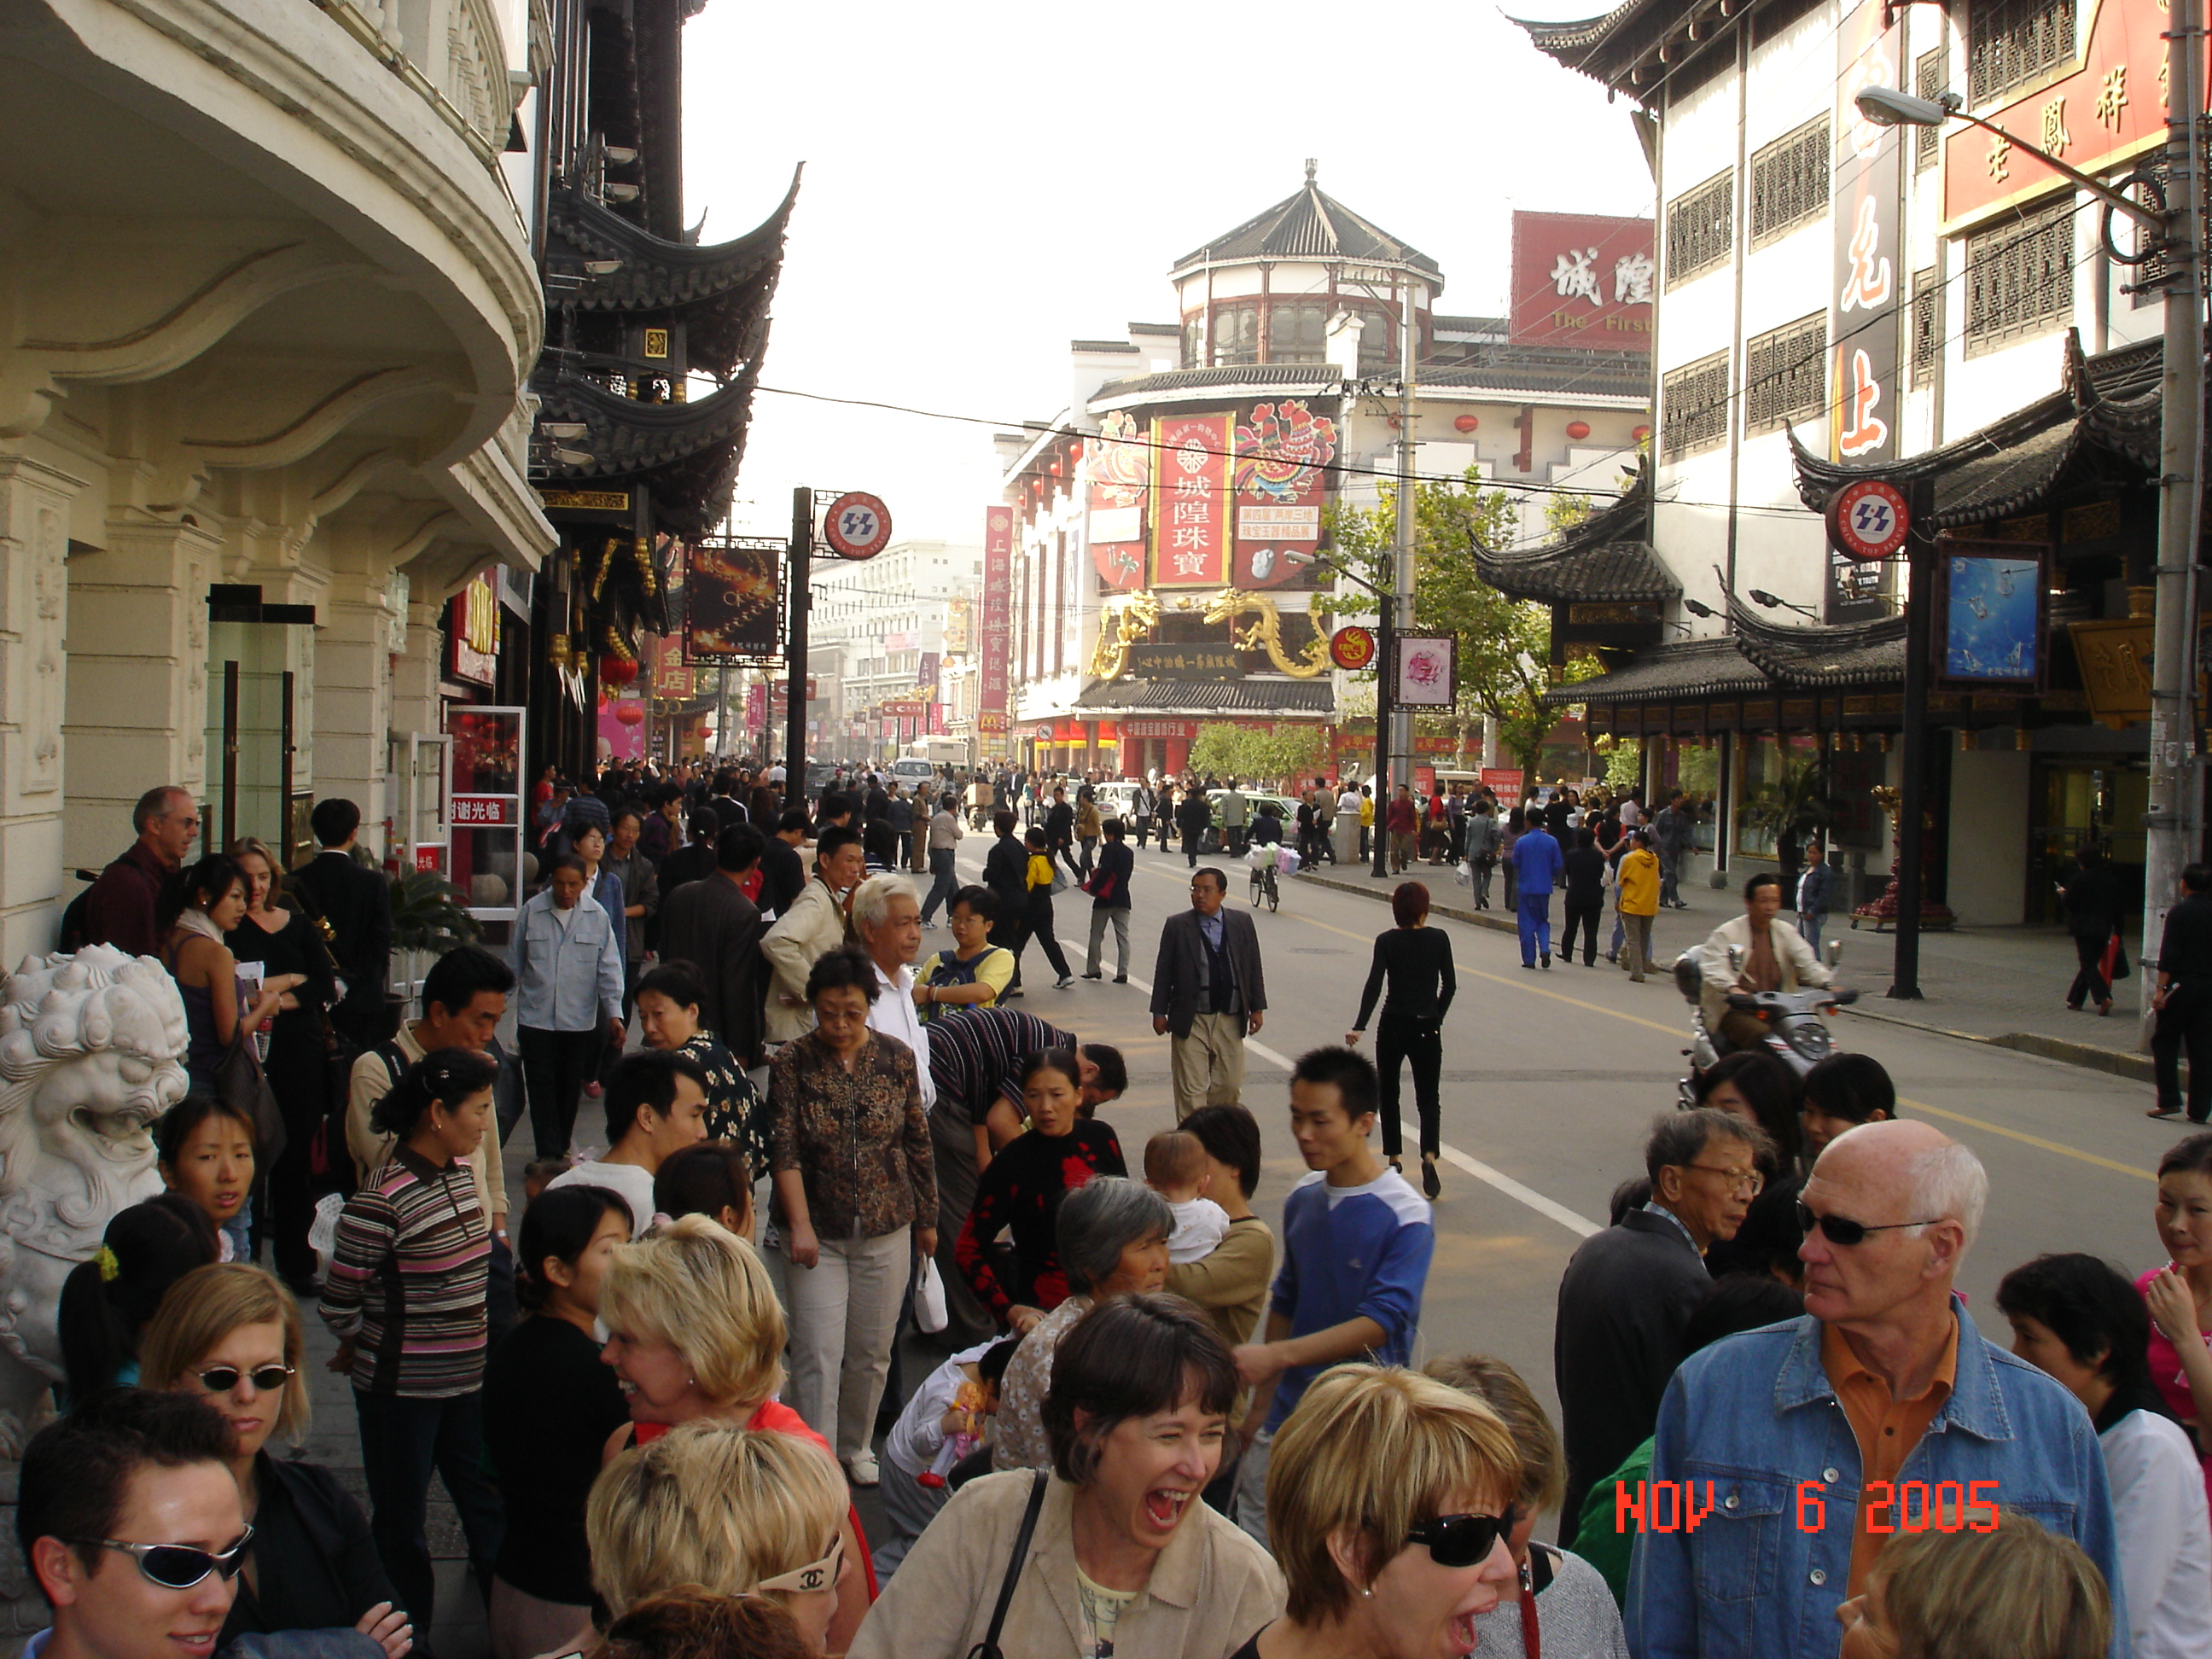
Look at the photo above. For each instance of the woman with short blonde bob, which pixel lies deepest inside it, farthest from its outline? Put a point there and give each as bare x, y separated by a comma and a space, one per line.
230, 1335
2018, 1592
1390, 1500
694, 1331
736, 1512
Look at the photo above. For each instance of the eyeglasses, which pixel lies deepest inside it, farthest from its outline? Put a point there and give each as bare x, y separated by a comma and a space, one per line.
1840, 1230
1749, 1183
221, 1379
815, 1576
180, 1567
1462, 1540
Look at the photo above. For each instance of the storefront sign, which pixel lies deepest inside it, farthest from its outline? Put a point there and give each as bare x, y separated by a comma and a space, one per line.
472, 625
1281, 479
1584, 281
1118, 470
1186, 662
1990, 601
731, 593
1190, 504
904, 708
998, 605
1502, 781
1351, 648
482, 812
1426, 670
671, 675
1159, 728
926, 679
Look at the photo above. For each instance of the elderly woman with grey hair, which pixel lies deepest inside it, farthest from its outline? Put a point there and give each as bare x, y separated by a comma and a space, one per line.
1113, 1237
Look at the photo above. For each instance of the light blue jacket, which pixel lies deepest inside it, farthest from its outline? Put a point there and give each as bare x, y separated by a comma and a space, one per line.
1538, 861
567, 979
1753, 1422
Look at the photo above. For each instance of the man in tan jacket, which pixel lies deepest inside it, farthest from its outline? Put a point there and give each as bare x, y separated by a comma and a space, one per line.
815, 924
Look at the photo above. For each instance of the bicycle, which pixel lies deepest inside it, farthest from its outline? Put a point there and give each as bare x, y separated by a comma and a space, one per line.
1263, 886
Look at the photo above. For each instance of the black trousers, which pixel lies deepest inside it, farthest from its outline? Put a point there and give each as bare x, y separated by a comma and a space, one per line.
2186, 1020
556, 1064
1041, 930
1011, 931
1421, 1041
2089, 984
1584, 913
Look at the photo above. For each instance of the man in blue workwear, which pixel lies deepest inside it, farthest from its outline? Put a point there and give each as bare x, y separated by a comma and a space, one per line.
1537, 863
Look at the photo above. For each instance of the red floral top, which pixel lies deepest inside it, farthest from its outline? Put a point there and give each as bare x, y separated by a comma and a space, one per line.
1022, 1191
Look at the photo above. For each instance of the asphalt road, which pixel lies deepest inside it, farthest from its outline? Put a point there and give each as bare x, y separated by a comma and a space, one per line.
1551, 1081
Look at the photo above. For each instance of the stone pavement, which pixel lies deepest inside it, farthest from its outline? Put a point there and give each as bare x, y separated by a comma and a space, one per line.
2005, 986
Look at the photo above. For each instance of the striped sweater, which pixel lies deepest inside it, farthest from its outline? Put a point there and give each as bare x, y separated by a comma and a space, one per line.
406, 1282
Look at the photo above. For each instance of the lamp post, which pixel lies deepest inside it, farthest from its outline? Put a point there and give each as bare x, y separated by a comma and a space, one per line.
1386, 606
2171, 824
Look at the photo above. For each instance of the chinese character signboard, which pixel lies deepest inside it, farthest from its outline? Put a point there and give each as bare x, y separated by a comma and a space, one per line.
1184, 662
731, 594
472, 623
1118, 463
1190, 500
1867, 208
1579, 279
671, 675
927, 679
1283, 453
998, 607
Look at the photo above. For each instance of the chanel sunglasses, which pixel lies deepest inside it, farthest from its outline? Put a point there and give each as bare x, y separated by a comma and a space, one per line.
1462, 1540
180, 1567
815, 1576
1847, 1233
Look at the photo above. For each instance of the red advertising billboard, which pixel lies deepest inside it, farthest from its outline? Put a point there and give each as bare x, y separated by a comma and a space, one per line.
1190, 500
1281, 478
1118, 463
1583, 279
998, 608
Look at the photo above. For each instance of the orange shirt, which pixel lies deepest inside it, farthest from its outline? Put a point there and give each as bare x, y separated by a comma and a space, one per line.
1887, 1430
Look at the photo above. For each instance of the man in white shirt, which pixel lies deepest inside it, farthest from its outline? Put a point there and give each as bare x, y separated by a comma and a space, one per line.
887, 918
656, 1107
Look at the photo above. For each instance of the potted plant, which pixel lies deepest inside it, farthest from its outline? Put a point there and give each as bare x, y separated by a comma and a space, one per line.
1789, 808
428, 920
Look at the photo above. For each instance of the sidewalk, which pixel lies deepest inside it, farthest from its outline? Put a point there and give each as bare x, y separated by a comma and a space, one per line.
2003, 986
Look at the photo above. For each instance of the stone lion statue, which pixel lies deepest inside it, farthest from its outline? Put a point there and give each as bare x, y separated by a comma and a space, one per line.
91, 1052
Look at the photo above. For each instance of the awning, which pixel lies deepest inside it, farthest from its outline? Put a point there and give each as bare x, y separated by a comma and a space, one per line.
1250, 696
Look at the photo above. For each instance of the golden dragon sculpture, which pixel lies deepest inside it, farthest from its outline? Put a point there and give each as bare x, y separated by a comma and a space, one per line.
1130, 618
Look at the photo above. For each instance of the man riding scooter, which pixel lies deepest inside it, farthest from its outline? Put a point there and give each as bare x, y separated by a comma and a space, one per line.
1750, 954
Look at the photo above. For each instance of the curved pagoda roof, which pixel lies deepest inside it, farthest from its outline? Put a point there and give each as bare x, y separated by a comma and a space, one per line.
685, 455
721, 292
1608, 556
1311, 225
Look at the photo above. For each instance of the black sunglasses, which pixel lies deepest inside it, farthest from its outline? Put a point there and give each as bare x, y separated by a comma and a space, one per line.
221, 1379
180, 1567
1462, 1540
1847, 1233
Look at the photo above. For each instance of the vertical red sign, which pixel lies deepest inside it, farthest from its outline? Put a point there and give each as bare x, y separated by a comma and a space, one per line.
1190, 500
1283, 449
1118, 467
998, 607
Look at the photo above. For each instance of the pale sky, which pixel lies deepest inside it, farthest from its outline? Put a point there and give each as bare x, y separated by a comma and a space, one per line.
987, 182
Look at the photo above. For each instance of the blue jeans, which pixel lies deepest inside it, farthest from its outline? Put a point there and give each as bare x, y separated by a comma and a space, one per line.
1535, 926
1809, 924
942, 890
402, 1441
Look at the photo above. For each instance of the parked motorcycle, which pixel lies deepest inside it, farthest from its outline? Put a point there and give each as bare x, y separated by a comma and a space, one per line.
1796, 1034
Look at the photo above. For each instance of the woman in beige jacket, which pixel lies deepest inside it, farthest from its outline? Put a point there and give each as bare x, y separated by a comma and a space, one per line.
1125, 1558
815, 924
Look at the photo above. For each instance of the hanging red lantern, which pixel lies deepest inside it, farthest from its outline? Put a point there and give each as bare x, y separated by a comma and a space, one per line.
630, 714
1467, 423
1640, 433
617, 670
1578, 428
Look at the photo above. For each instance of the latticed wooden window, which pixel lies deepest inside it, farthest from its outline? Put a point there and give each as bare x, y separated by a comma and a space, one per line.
1927, 81
1790, 182
1693, 407
1701, 228
2009, 42
1926, 326
2020, 277
1785, 374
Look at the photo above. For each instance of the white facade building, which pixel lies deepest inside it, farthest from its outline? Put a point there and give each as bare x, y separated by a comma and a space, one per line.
869, 628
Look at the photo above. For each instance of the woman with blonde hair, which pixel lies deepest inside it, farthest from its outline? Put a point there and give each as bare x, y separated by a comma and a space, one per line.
737, 1511
691, 1623
1390, 1504
230, 1335
694, 1331
2018, 1591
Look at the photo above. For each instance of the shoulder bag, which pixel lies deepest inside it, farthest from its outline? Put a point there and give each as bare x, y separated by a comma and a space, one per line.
988, 1647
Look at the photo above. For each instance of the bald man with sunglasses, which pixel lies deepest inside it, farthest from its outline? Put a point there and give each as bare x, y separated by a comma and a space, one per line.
1816, 1441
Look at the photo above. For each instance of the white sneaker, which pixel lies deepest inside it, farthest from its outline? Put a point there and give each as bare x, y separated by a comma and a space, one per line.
1065, 979
863, 1470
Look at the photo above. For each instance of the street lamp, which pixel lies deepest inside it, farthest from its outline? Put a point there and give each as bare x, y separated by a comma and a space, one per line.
1759, 596
1385, 603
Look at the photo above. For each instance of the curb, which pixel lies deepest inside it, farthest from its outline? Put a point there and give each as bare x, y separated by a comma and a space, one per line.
2088, 1056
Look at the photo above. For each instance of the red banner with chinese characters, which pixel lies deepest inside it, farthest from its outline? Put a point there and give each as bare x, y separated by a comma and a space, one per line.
671, 674
998, 608
1118, 466
1190, 500
1582, 280
1283, 453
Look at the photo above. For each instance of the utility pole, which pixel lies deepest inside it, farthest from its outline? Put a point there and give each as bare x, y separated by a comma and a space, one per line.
1920, 557
794, 643
2172, 824
1401, 723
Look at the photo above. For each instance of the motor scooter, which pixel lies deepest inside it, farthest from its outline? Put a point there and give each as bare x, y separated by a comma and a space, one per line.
1796, 1034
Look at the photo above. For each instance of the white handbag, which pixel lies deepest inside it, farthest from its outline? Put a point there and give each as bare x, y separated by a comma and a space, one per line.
930, 1316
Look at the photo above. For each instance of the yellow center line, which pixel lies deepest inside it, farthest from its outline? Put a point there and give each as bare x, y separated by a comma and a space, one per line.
2036, 1141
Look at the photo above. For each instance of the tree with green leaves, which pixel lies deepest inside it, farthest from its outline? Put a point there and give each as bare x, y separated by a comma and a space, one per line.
1267, 758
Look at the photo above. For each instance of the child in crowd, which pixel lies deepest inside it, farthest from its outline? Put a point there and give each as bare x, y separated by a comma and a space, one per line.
538, 1175
945, 1421
1178, 1168
1040, 906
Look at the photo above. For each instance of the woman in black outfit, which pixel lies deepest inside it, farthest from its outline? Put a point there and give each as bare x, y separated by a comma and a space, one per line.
548, 1406
1418, 965
284, 941
229, 1334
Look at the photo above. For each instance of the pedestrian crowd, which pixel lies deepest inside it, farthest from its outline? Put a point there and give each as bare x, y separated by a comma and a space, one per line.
1152, 1421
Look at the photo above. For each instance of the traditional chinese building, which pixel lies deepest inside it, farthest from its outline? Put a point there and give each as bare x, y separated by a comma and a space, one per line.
1837, 300
1158, 571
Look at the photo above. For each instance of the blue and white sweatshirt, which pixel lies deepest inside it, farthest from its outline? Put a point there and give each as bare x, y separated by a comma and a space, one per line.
1349, 1251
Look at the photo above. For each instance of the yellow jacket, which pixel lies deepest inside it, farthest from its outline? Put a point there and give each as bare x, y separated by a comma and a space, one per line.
1640, 883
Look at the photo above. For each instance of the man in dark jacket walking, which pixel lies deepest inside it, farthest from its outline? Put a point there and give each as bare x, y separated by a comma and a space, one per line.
1208, 990
1585, 900
356, 903
1194, 817
712, 925
1109, 901
2093, 917
1006, 873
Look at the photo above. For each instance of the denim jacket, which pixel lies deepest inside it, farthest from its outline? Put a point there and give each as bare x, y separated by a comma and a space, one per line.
1752, 1427
567, 979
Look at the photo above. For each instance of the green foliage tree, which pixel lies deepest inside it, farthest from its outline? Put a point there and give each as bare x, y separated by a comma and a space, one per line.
1266, 758
1789, 808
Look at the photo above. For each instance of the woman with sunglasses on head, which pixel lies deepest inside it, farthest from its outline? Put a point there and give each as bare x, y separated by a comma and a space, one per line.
1390, 1506
1119, 1551
1564, 1609
229, 1334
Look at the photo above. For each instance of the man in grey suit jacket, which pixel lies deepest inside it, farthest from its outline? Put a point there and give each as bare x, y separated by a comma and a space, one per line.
712, 925
1209, 990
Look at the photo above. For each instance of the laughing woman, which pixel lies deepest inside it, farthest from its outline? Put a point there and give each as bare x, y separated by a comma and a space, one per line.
1116, 1533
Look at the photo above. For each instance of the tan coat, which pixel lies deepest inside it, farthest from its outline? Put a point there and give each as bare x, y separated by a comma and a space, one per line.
1211, 1588
802, 936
